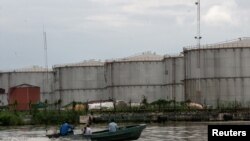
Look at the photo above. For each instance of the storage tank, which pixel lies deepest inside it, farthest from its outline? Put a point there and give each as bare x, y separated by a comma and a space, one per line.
132, 78
35, 75
174, 76
4, 86
219, 74
80, 82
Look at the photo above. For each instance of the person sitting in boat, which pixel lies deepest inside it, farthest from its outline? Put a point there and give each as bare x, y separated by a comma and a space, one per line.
112, 126
87, 130
66, 129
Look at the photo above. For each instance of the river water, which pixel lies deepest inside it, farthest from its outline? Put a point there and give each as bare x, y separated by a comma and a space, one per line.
172, 131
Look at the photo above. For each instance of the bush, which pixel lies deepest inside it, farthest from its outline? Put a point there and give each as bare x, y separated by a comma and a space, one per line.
8, 118
53, 117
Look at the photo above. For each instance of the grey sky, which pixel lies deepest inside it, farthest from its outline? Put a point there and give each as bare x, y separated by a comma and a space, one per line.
80, 30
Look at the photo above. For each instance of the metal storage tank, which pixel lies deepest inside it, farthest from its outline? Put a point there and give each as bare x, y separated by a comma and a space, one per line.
23, 95
219, 74
79, 82
174, 76
34, 75
4, 88
131, 78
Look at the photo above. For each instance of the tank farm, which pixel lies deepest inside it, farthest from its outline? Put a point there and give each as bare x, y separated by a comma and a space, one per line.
216, 74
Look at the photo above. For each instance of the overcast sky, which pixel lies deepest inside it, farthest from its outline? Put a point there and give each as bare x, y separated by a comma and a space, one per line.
80, 30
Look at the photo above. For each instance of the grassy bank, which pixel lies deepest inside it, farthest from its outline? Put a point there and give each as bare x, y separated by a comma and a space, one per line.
157, 111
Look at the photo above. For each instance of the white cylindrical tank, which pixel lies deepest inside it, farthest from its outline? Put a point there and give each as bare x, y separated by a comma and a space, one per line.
132, 78
174, 76
36, 76
218, 74
80, 82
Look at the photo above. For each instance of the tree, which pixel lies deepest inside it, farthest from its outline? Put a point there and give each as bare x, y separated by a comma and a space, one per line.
73, 105
15, 105
144, 100
46, 104
30, 106
130, 104
59, 102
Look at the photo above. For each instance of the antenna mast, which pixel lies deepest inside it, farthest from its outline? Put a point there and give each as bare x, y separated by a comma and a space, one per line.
198, 38
46, 59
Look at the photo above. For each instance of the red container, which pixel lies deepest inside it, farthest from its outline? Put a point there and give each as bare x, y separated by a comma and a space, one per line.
23, 95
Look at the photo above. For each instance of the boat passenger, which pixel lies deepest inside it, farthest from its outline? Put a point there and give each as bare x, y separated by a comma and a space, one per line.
87, 130
112, 126
66, 129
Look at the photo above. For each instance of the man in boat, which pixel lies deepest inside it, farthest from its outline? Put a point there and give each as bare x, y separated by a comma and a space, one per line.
87, 130
66, 129
112, 126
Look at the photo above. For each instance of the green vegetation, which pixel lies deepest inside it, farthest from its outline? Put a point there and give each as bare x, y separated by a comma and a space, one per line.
57, 116
10, 118
53, 114
54, 118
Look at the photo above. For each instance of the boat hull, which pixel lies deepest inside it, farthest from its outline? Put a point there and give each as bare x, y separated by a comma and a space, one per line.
126, 133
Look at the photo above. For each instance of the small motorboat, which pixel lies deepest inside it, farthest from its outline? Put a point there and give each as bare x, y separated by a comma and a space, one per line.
132, 132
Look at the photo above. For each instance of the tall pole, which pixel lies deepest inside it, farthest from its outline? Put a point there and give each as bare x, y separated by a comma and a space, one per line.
198, 38
46, 60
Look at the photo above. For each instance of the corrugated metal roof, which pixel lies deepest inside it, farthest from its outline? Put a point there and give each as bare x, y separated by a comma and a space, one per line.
30, 69
239, 42
145, 56
83, 63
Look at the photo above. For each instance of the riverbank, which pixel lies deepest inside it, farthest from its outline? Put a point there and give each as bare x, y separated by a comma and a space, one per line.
200, 115
8, 118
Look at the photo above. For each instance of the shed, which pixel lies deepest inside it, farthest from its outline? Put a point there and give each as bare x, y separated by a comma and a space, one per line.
23, 95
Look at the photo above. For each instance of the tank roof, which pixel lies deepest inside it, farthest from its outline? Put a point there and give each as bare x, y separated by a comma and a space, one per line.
239, 42
30, 69
81, 64
174, 55
145, 56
